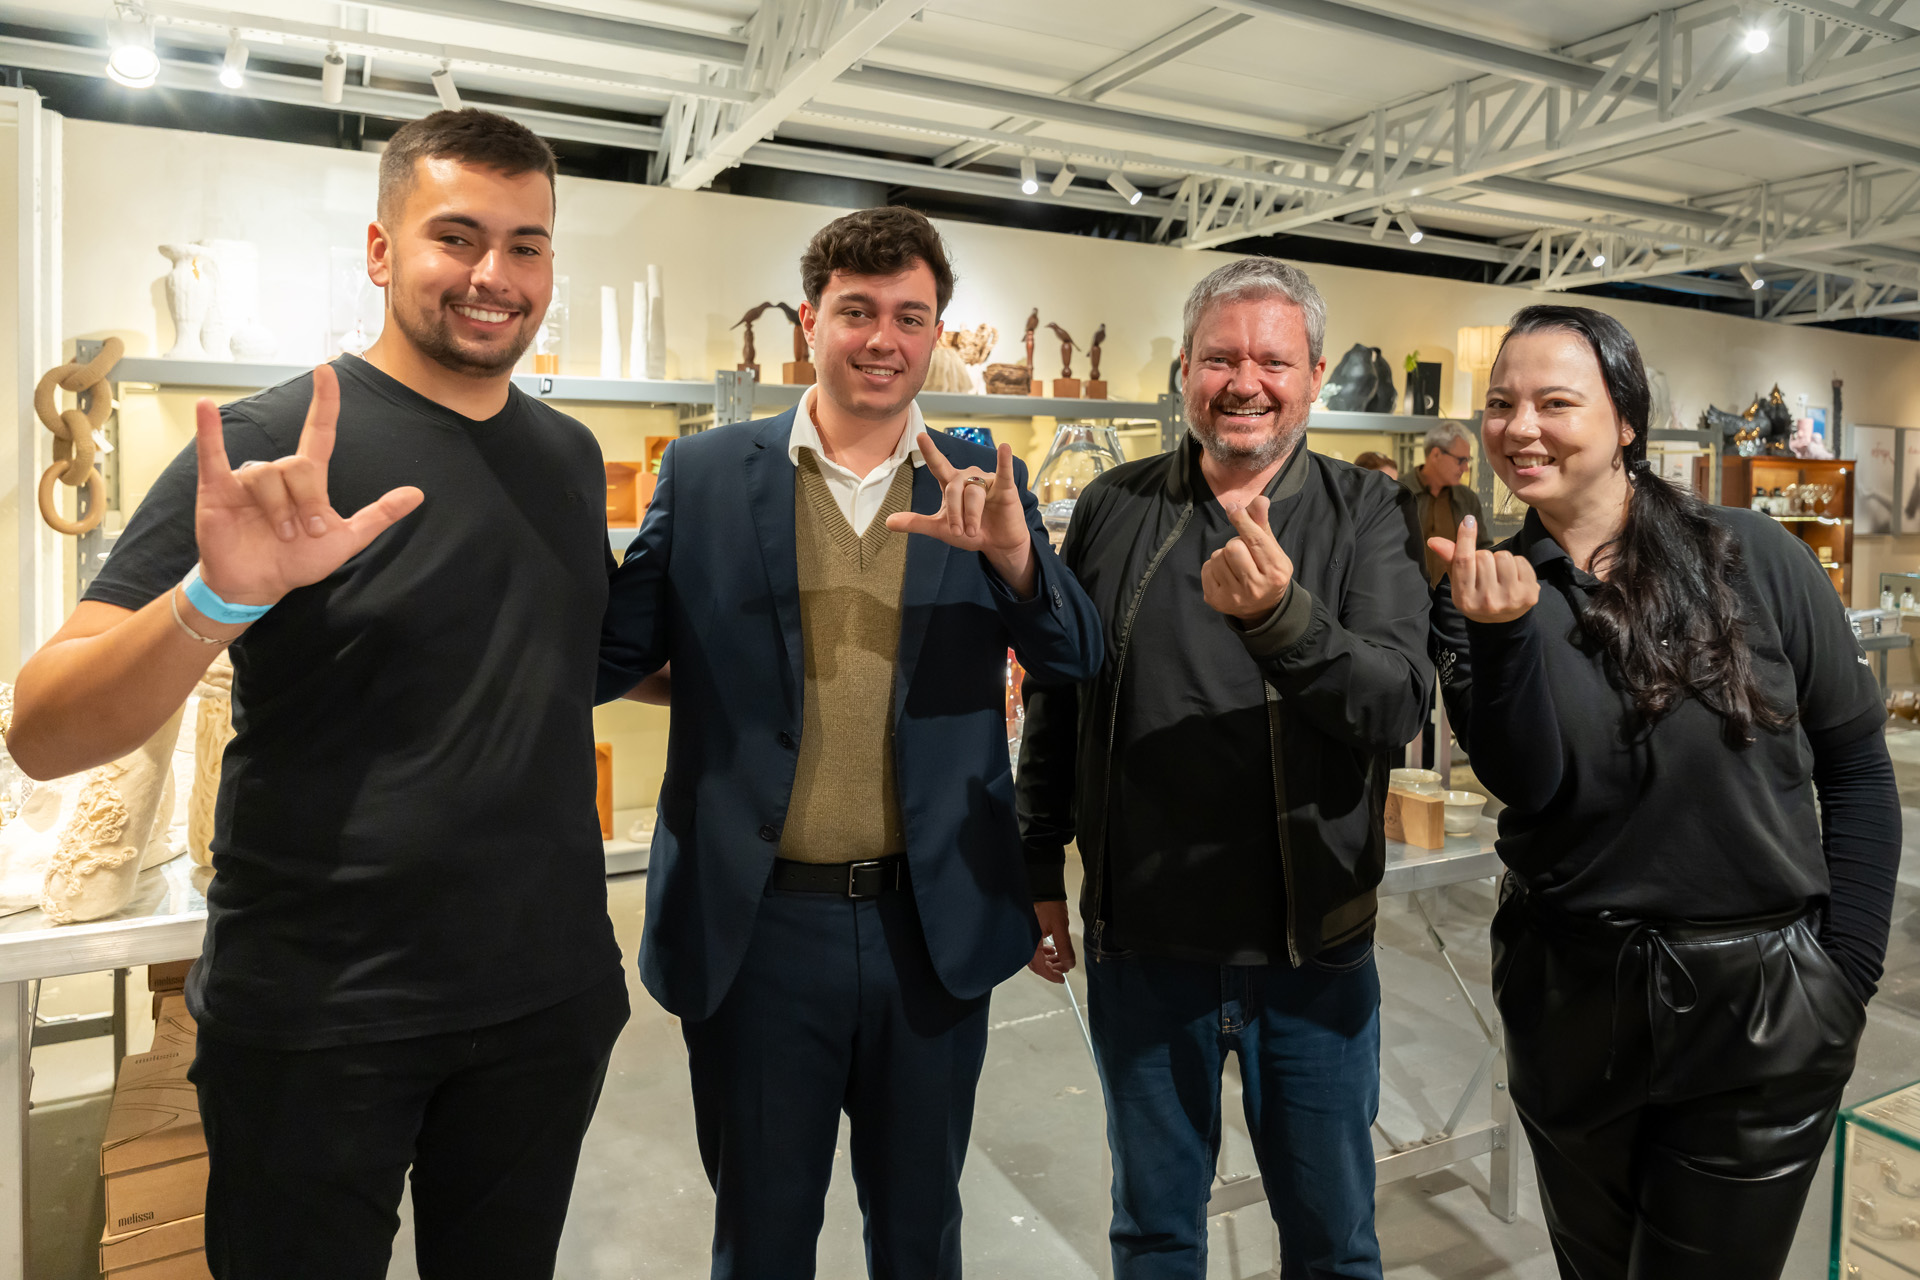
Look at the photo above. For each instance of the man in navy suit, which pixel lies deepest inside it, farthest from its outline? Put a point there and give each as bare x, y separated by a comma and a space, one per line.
836, 881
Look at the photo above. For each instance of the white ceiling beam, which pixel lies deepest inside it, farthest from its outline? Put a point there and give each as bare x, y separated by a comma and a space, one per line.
654, 37
304, 91
215, 24
1182, 40
1562, 69
798, 82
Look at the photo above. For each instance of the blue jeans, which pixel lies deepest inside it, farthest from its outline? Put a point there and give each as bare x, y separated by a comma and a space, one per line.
1308, 1040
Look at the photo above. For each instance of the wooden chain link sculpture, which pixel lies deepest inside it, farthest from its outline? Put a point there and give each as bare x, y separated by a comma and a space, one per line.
73, 429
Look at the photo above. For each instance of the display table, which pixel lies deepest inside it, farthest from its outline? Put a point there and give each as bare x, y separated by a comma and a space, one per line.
166, 920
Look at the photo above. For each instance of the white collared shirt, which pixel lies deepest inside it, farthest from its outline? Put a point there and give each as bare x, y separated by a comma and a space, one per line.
859, 496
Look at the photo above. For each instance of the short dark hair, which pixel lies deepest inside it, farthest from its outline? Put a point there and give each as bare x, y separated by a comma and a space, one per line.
471, 136
876, 242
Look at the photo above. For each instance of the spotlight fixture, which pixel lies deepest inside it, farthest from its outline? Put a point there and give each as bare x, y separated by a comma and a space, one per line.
1062, 180
1029, 178
1380, 225
1756, 39
131, 60
1599, 259
1754, 279
1128, 192
443, 88
233, 70
333, 76
1414, 234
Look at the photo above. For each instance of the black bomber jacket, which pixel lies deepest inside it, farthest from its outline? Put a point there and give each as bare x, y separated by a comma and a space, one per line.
1347, 677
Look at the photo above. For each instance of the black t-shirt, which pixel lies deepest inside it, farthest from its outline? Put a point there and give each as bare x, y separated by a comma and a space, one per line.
406, 841
1670, 822
1193, 849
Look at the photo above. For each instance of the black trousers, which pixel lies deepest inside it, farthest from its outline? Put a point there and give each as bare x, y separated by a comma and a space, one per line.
1677, 1084
309, 1150
836, 1008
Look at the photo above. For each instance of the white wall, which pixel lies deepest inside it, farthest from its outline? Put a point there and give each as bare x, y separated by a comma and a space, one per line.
130, 189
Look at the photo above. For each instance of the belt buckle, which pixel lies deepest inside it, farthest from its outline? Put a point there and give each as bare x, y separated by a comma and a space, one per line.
877, 880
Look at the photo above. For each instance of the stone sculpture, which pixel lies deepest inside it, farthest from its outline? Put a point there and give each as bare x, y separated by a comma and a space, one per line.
212, 731
190, 286
78, 843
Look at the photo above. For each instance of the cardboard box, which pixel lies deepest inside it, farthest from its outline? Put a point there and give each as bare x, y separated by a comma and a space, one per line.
171, 976
166, 979
182, 1266
172, 1251
1416, 819
154, 1156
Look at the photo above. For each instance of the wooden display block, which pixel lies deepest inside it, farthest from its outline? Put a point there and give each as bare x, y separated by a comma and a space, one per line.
1096, 389
623, 493
1416, 819
603, 794
1066, 388
1036, 388
797, 373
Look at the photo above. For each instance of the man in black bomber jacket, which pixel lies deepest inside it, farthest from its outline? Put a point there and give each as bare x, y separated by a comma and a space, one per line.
1225, 776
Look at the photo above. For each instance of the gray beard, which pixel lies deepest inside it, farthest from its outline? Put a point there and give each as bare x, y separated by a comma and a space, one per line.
1250, 458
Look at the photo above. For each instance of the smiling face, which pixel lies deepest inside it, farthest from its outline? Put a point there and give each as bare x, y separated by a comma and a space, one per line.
1250, 380
873, 339
468, 264
1551, 430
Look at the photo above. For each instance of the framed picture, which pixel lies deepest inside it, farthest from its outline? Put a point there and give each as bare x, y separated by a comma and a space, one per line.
1907, 518
1875, 467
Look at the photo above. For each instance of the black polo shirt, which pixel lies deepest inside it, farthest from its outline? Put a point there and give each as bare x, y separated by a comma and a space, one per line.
1667, 822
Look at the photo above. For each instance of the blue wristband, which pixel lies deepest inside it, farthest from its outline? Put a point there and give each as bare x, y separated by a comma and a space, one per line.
201, 597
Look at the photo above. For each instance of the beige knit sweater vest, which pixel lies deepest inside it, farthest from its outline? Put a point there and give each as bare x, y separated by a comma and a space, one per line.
846, 806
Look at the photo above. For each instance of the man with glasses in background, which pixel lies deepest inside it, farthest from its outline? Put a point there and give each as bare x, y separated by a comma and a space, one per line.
1442, 491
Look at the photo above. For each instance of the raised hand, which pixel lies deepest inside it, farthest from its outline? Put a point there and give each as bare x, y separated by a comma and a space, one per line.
1247, 578
978, 512
1488, 586
268, 528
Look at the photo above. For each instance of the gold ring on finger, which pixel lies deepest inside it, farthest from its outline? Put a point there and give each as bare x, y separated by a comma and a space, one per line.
982, 481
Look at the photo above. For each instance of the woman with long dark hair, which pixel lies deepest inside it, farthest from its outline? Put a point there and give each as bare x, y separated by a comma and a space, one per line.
1683, 951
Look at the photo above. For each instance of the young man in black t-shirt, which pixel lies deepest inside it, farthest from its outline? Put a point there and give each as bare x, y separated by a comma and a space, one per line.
408, 960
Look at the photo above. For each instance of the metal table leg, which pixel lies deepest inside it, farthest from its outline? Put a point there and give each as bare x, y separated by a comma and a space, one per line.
1503, 1195
16, 1056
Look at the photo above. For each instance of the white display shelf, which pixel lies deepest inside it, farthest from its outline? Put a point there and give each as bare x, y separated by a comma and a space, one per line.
228, 375
1392, 424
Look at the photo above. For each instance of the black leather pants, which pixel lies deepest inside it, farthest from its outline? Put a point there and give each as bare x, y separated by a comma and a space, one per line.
1677, 1083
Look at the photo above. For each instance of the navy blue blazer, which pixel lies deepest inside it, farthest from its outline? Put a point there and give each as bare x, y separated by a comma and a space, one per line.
711, 584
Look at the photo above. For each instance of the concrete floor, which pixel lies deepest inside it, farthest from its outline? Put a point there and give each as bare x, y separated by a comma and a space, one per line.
1036, 1178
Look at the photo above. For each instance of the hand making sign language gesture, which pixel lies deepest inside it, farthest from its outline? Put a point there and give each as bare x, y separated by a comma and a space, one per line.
1488, 586
1248, 578
269, 528
978, 512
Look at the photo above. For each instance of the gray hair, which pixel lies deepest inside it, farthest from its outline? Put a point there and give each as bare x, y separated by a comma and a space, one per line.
1254, 278
1444, 433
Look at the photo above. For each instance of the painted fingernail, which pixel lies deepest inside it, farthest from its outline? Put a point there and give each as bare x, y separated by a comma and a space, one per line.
316, 526
1469, 522
286, 531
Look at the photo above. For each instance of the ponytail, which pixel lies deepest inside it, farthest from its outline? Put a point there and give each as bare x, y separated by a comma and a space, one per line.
1667, 616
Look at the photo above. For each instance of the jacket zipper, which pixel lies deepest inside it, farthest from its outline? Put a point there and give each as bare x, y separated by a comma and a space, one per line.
1280, 814
1113, 711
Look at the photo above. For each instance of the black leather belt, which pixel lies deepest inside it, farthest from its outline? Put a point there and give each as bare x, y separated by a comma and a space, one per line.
857, 880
